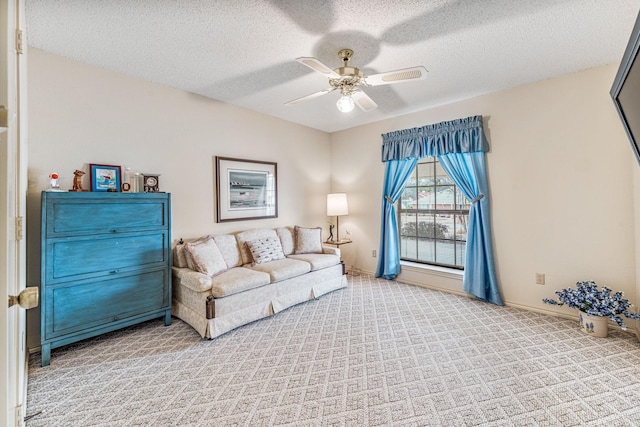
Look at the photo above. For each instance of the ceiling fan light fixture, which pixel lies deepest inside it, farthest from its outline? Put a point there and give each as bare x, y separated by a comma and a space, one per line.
345, 104
351, 80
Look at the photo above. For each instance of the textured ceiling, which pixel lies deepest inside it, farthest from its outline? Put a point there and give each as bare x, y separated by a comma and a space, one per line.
243, 52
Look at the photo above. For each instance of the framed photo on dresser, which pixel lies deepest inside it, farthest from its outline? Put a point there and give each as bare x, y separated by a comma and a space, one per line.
105, 177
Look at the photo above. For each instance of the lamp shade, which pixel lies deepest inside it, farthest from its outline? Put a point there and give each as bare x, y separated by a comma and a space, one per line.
337, 204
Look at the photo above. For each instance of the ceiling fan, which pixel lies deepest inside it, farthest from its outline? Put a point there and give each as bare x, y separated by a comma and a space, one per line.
350, 79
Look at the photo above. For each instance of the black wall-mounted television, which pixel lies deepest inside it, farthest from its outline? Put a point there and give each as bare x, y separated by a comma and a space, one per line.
626, 89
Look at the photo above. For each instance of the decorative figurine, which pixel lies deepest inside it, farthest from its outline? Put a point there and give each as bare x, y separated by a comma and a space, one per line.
77, 181
330, 239
53, 182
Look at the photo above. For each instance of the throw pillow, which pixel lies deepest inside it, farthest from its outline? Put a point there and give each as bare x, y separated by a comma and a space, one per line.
308, 240
287, 239
205, 257
180, 257
265, 250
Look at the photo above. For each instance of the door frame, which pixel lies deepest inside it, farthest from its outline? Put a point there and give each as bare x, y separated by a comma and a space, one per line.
13, 179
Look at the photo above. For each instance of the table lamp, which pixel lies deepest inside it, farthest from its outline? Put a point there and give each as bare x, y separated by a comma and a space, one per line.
337, 205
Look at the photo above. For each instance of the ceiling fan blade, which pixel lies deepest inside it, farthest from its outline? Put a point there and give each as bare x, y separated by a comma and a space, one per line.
318, 66
363, 101
311, 96
397, 76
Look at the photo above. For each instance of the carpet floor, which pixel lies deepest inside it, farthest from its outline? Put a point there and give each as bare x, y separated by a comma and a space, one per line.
378, 353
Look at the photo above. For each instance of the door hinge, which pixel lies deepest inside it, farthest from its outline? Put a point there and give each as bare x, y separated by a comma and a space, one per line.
19, 419
19, 228
19, 41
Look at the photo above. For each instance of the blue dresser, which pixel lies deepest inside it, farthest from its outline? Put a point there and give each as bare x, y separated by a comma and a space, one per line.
105, 264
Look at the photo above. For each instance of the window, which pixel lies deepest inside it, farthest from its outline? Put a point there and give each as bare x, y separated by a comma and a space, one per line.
432, 217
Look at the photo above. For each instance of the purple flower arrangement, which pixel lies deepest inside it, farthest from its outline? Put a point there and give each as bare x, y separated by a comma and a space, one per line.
587, 298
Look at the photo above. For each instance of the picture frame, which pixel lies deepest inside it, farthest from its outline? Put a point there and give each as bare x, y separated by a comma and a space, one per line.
245, 189
105, 177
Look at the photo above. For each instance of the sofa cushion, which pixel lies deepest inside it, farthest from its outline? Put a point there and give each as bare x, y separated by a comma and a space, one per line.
248, 235
317, 261
228, 246
287, 239
237, 280
205, 257
265, 250
283, 269
308, 240
179, 257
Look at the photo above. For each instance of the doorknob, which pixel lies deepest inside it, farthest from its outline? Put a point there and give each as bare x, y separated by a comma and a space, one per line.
27, 299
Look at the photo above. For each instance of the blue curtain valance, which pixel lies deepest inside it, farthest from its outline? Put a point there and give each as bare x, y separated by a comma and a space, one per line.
456, 136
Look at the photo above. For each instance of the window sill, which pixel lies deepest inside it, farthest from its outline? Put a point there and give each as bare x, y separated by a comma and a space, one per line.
432, 277
450, 273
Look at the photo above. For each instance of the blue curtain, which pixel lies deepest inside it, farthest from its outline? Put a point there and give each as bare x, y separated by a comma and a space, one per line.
469, 173
460, 146
397, 173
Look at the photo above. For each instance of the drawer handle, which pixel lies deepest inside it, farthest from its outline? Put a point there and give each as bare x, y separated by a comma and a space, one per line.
114, 272
114, 230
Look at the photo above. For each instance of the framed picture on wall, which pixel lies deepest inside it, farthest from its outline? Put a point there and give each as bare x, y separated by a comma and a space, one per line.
105, 177
245, 189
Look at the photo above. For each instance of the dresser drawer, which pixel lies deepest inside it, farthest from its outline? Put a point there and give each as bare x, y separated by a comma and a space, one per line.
89, 215
72, 308
84, 257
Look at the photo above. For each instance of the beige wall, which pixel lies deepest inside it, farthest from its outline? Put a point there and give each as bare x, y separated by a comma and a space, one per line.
560, 173
80, 114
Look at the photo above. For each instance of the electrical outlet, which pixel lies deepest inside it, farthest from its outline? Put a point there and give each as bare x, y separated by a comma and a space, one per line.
374, 253
539, 278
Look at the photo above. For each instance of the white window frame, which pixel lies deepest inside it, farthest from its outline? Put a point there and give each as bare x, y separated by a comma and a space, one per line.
453, 208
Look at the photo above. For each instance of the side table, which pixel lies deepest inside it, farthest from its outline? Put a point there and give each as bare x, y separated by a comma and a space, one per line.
337, 244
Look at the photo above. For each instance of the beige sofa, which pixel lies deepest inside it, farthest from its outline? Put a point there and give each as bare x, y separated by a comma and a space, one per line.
250, 275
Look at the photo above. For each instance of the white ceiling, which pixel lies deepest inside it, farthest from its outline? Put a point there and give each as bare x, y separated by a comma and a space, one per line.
243, 52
